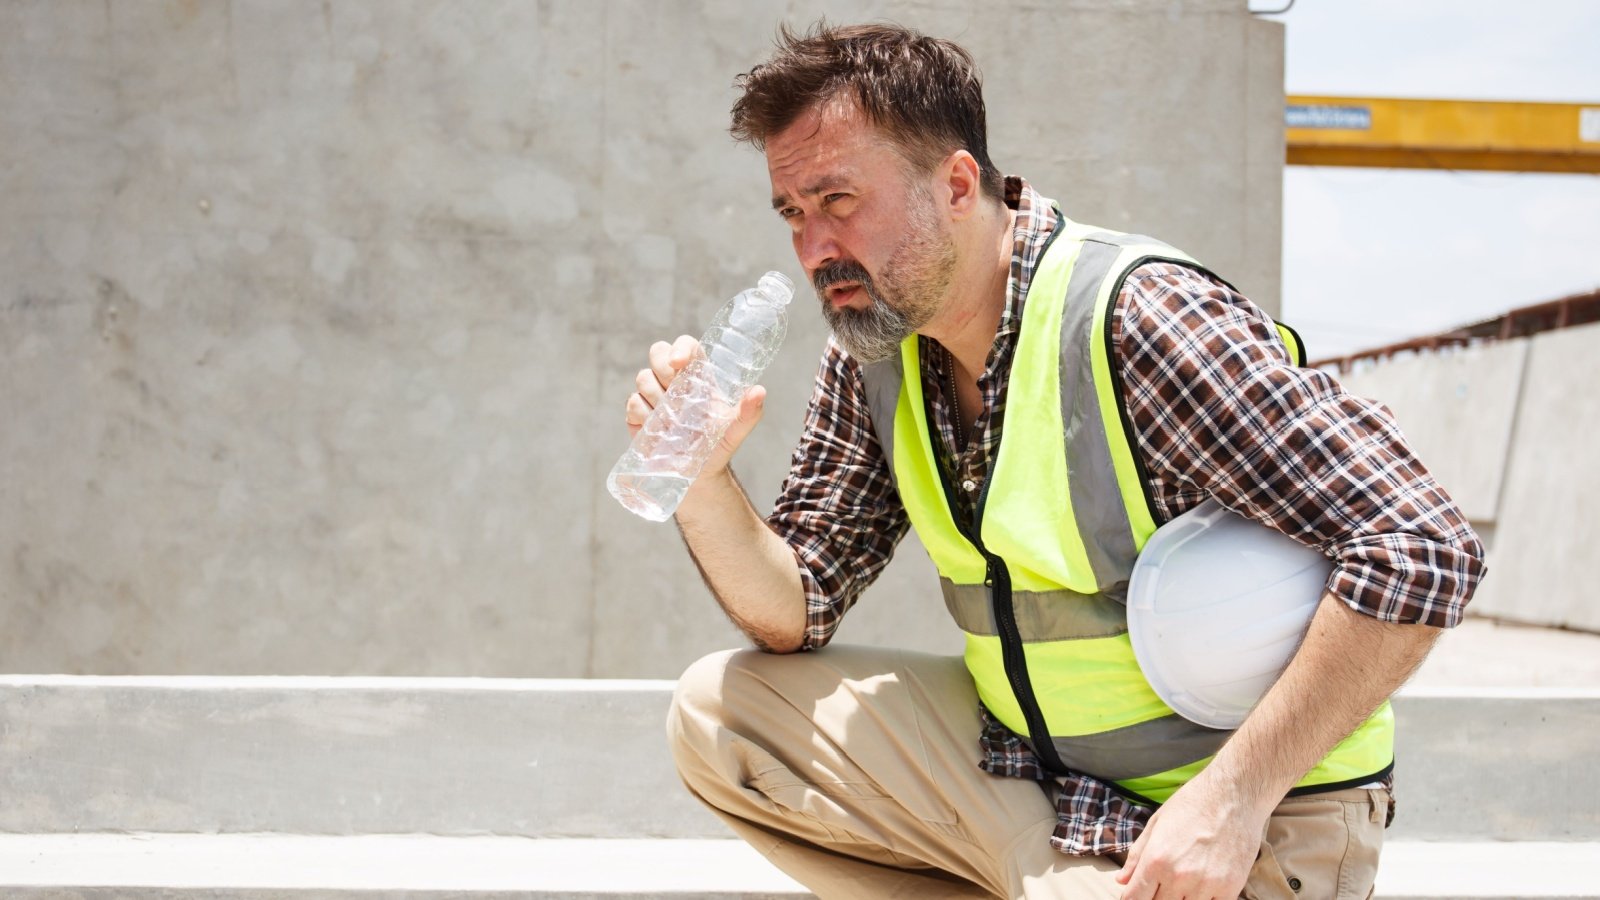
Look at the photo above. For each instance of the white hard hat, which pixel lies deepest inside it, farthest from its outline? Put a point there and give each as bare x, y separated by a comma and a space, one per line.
1217, 605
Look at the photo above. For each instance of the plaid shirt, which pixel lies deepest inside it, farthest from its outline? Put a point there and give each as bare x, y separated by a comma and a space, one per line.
1217, 411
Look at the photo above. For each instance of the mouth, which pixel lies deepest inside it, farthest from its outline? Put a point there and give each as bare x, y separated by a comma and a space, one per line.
842, 293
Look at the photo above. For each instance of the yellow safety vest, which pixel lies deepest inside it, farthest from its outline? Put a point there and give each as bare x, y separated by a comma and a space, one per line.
1038, 582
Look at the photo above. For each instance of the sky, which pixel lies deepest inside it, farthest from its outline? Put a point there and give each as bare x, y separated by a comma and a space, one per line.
1374, 256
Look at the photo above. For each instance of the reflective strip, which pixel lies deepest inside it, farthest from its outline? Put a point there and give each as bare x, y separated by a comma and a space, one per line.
1108, 385
881, 381
1138, 751
1097, 498
1121, 239
1041, 615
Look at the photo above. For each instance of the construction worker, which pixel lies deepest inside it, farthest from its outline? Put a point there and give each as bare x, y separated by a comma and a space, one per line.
1034, 396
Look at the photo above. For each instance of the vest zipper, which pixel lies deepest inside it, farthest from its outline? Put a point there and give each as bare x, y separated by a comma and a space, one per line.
997, 578
998, 581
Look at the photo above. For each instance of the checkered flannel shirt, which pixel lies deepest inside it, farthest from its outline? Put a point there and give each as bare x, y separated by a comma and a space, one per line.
1217, 411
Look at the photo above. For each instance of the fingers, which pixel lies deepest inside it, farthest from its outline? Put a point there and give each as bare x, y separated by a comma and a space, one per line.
683, 350
650, 385
660, 364
1136, 885
638, 409
667, 360
1137, 850
1139, 888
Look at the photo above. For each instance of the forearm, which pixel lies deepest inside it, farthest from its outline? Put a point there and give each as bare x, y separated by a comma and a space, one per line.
749, 569
1347, 666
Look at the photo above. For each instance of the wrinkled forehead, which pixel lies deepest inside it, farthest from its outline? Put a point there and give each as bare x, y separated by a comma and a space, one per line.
832, 138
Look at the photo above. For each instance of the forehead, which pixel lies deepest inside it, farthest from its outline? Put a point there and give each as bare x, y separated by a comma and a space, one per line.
830, 139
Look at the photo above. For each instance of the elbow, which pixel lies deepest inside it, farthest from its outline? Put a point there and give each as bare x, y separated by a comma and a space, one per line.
778, 644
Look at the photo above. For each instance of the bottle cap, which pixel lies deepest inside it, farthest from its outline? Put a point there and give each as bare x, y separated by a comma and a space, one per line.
778, 288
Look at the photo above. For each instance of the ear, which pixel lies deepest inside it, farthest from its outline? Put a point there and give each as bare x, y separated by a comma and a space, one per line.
959, 175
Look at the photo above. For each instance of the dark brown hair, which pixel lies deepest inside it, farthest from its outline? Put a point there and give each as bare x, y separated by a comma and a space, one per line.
925, 93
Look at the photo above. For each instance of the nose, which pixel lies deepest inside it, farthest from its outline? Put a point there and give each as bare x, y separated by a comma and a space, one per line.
815, 245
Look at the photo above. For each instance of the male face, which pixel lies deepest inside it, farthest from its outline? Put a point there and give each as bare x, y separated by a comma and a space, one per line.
865, 228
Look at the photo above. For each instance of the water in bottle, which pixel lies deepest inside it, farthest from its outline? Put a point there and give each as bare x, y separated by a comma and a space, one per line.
703, 400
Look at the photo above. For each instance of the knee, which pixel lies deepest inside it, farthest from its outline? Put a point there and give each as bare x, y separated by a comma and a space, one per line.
700, 685
730, 690
697, 711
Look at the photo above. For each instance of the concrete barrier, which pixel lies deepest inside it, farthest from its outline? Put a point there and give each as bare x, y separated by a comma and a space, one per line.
424, 867
532, 757
1504, 428
554, 758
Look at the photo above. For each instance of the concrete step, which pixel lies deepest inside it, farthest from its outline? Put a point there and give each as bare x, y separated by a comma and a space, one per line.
106, 866
306, 755
561, 758
103, 866
1500, 764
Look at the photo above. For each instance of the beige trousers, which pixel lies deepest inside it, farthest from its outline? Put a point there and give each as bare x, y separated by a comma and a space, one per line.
855, 771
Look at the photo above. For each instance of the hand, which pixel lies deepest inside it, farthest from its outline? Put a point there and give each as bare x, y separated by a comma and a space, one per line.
1199, 845
666, 361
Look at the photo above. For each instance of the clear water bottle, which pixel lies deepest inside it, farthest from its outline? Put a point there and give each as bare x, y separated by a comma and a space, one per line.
703, 400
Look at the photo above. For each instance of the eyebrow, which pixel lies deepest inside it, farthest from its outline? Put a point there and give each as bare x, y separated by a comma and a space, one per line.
826, 183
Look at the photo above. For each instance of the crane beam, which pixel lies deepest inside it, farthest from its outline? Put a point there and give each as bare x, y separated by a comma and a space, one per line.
1443, 134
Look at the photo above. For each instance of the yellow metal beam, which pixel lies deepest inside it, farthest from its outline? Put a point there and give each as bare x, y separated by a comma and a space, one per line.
1443, 134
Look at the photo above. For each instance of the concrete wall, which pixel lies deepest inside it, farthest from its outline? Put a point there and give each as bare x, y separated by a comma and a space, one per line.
1508, 429
1458, 409
317, 319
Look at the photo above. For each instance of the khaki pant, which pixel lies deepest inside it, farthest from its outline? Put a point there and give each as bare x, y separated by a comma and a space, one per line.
855, 771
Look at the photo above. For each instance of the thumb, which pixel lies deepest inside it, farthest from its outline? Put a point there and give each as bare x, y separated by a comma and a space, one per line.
751, 406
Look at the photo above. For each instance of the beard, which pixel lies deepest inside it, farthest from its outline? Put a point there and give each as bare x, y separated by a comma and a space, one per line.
914, 283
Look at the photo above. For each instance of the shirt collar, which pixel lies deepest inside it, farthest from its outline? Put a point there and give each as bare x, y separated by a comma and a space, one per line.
1037, 219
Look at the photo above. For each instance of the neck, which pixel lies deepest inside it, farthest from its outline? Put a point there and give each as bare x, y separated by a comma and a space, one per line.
967, 323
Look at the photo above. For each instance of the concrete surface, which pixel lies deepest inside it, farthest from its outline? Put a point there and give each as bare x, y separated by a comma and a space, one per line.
326, 756
1545, 538
1505, 871
1507, 428
318, 318
558, 758
1439, 397
1513, 764
1485, 653
406, 866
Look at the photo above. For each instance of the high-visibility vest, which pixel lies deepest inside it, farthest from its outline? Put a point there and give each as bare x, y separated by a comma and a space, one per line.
1038, 581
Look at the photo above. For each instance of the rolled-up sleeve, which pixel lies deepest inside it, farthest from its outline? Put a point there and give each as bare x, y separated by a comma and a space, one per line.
1219, 411
838, 509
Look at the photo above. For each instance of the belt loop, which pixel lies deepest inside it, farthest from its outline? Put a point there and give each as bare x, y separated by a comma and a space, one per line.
1380, 806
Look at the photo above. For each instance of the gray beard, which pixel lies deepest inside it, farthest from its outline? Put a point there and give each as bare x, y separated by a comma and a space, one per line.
869, 335
919, 270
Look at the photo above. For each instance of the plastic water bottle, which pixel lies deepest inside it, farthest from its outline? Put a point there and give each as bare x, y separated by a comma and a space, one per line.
703, 400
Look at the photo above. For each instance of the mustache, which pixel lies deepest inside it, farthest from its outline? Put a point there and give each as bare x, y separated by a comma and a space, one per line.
835, 272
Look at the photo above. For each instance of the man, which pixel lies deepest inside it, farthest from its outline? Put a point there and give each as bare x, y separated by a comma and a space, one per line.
952, 398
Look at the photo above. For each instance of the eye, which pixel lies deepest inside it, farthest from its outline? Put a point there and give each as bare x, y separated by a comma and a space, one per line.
832, 198
788, 212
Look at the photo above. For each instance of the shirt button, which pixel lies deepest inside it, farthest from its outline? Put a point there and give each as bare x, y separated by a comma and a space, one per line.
1294, 885
969, 485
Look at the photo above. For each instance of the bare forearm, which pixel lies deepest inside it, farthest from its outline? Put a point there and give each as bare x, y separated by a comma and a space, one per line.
1347, 666
749, 569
